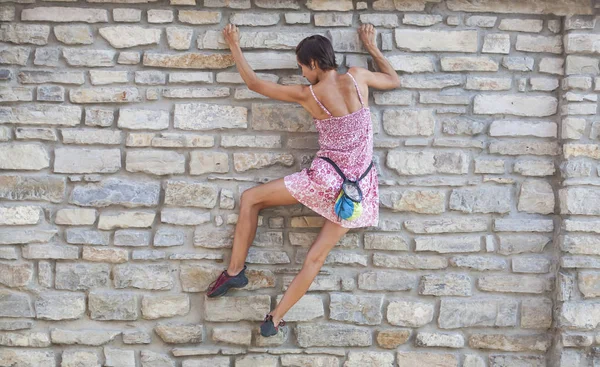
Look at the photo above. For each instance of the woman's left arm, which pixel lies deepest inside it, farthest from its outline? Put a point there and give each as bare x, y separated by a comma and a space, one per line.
387, 78
288, 93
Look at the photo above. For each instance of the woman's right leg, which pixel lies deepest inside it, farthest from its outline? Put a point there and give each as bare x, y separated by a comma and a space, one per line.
272, 193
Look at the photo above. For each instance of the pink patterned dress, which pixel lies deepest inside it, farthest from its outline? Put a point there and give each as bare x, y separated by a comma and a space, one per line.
348, 141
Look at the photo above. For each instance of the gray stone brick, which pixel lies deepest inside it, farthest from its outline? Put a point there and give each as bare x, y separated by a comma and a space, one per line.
112, 305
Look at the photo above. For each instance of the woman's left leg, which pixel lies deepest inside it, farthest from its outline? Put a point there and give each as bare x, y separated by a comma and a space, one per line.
329, 235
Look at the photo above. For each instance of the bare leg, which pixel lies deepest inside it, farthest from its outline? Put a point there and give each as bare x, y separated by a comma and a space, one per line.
272, 193
315, 258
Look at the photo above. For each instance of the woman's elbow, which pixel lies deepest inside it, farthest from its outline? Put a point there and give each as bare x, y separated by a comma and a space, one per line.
253, 86
395, 83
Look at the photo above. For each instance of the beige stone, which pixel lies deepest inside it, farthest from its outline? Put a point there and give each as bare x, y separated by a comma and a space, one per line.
159, 306
20, 215
133, 219
24, 156
199, 17
87, 160
247, 161
251, 308
64, 14
392, 338
565, 7
105, 95
188, 60
205, 162
536, 196
76, 216
515, 105
90, 58
511, 343
341, 5
440, 41
73, 34
201, 116
551, 44
24, 33
157, 162
130, 36
468, 63
179, 38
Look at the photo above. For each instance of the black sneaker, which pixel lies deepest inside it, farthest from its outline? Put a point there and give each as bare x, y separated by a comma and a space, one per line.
225, 281
267, 328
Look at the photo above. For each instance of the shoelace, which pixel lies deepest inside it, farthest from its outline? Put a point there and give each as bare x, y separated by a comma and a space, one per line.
216, 281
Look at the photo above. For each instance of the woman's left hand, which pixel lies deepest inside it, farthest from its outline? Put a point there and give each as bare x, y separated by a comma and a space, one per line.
366, 32
231, 34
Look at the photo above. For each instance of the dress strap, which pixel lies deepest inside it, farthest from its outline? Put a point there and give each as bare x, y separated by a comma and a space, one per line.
357, 90
319, 102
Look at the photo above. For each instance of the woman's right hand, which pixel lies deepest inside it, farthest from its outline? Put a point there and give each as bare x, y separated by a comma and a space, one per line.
231, 34
367, 35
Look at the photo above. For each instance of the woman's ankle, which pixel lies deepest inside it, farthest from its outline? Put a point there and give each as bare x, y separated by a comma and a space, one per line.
276, 319
234, 271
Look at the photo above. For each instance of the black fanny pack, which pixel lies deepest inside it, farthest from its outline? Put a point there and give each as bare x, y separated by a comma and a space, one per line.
347, 204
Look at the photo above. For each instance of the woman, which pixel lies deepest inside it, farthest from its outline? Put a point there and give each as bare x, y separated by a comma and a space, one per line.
343, 121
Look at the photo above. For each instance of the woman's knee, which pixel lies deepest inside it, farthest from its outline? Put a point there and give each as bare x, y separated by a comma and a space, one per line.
315, 258
249, 199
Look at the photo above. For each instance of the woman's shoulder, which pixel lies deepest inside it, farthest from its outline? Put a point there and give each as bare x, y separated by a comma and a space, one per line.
360, 75
357, 71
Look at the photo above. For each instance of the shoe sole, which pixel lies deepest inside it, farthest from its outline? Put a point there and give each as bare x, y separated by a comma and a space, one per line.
268, 335
223, 290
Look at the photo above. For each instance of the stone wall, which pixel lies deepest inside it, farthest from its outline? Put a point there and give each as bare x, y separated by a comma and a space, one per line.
126, 138
578, 246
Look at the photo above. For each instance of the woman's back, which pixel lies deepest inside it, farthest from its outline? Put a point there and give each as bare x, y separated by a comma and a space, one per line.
339, 95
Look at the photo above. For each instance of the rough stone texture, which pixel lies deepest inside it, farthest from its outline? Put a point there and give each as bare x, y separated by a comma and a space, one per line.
200, 116
130, 36
536, 196
362, 310
81, 276
82, 337
410, 314
515, 105
181, 193
407, 162
425, 40
87, 160
456, 313
17, 275
332, 335
527, 7
127, 137
24, 156
188, 61
114, 191
232, 335
60, 306
175, 333
308, 308
151, 276
112, 305
490, 199
20, 215
237, 308
155, 162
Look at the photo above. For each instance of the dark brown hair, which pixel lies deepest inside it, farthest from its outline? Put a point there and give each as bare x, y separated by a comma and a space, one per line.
319, 49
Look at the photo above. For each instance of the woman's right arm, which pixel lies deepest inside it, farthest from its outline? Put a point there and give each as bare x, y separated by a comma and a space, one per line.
387, 78
287, 93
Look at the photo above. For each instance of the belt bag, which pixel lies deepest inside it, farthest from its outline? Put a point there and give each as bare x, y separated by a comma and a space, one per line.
348, 203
